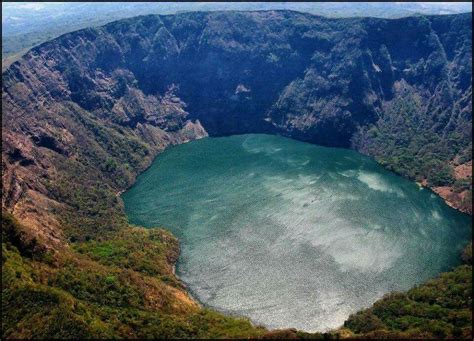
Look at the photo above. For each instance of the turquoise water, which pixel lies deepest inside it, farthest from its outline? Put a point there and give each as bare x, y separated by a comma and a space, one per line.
291, 234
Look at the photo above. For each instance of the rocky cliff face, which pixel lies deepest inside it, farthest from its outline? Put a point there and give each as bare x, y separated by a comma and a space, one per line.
66, 152
93, 107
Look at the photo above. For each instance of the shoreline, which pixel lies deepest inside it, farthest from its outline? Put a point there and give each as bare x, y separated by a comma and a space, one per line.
194, 297
440, 192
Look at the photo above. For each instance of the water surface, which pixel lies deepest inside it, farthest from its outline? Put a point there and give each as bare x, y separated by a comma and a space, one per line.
291, 234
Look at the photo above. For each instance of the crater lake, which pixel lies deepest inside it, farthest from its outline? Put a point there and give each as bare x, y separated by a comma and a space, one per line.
291, 234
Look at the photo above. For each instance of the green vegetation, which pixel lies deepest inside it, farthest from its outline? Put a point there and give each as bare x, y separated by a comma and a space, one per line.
129, 250
412, 144
89, 292
402, 141
439, 308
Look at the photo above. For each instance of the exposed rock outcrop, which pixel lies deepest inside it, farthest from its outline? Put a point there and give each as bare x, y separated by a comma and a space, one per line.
104, 101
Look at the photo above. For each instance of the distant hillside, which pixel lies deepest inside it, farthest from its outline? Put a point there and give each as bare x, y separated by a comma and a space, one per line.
27, 24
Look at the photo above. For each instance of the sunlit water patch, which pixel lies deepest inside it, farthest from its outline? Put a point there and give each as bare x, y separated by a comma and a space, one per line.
291, 234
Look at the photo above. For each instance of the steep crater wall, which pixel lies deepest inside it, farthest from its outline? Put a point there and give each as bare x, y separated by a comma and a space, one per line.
85, 113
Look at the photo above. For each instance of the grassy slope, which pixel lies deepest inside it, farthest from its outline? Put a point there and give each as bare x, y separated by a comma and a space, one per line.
122, 287
440, 308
